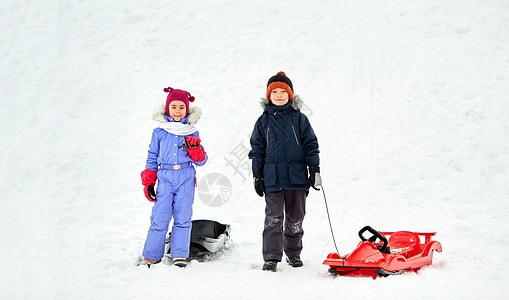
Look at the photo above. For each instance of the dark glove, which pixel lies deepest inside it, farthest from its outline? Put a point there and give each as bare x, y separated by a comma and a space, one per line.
148, 179
150, 193
314, 179
258, 183
195, 150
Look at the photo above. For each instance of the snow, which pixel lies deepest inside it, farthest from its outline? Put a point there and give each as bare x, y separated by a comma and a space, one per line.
407, 98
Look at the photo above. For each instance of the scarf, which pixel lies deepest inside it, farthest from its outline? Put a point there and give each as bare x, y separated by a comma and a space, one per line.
178, 128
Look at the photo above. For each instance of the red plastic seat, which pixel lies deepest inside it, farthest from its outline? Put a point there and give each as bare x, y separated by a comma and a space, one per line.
405, 243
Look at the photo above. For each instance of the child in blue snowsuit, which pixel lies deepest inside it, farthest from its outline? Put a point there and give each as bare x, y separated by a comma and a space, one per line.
284, 149
174, 148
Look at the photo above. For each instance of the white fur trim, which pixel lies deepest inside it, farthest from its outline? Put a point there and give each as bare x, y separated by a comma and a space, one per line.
194, 114
159, 111
297, 102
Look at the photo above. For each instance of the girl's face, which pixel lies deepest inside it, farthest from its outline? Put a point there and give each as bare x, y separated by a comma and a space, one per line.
177, 110
278, 97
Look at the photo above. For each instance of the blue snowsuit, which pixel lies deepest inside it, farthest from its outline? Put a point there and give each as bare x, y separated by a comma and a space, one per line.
175, 193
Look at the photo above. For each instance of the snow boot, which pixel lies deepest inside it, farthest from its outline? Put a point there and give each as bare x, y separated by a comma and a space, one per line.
148, 262
179, 262
294, 261
270, 265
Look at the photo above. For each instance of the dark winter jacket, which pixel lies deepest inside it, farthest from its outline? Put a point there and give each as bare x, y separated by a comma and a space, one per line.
283, 144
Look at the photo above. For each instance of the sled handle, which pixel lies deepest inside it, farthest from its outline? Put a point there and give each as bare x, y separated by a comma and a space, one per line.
375, 235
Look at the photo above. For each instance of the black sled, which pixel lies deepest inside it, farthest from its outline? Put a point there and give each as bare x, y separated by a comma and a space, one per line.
207, 238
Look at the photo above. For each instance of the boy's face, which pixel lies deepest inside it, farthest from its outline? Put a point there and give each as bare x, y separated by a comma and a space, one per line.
278, 97
177, 110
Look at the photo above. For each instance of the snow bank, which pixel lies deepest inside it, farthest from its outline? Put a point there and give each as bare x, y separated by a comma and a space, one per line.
407, 100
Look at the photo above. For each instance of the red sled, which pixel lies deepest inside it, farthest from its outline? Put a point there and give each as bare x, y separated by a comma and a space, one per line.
402, 251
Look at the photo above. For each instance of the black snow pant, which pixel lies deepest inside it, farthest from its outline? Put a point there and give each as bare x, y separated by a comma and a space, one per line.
275, 239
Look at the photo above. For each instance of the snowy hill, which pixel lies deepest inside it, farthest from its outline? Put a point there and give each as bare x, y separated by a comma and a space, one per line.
408, 100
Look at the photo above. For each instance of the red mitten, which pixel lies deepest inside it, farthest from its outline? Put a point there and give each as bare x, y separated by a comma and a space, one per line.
195, 150
148, 179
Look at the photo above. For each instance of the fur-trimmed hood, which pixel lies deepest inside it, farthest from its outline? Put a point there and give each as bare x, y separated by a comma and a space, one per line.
297, 102
193, 116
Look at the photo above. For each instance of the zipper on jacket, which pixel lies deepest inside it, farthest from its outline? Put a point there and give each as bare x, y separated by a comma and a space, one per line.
268, 136
295, 135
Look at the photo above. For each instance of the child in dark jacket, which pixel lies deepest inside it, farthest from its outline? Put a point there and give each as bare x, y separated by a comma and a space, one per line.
283, 148
174, 148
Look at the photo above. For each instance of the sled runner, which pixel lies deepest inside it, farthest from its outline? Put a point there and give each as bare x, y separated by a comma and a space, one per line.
402, 252
207, 237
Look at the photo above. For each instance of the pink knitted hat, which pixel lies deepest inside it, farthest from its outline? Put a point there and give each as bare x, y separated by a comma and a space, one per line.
179, 95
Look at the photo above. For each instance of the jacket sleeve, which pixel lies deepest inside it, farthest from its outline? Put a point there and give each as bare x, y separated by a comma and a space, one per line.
309, 142
258, 146
153, 152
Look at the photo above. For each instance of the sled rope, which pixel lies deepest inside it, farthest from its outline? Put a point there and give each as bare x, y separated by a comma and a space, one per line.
328, 216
